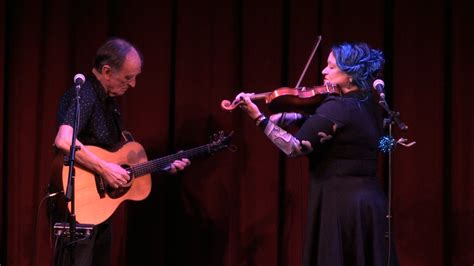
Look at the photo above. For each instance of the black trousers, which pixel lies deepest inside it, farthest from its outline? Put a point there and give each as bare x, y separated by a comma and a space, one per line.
92, 251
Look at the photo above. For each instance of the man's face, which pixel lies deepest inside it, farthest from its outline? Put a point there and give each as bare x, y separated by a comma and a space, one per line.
119, 81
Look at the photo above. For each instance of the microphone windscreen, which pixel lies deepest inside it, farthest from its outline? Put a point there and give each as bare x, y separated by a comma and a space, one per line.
79, 79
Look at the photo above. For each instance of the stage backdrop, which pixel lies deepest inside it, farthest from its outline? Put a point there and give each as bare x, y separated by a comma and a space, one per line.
245, 207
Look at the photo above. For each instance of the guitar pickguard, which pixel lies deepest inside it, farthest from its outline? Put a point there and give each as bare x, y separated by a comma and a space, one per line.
100, 185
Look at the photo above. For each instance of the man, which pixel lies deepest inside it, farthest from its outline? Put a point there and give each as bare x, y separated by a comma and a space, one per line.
117, 64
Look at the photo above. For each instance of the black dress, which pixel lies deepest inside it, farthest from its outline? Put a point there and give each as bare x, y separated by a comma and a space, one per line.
347, 207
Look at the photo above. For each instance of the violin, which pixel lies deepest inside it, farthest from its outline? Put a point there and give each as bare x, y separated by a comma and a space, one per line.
285, 99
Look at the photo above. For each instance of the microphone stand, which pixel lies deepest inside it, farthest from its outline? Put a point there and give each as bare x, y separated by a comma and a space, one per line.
387, 144
71, 176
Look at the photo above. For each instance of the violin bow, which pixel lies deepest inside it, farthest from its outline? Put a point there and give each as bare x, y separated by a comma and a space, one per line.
309, 61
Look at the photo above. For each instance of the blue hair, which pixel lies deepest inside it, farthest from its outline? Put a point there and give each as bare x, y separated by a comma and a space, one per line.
359, 61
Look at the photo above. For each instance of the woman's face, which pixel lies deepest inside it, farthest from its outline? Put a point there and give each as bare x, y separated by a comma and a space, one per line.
334, 75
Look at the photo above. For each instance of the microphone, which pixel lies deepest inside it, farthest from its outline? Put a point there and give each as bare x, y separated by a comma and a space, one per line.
378, 86
79, 79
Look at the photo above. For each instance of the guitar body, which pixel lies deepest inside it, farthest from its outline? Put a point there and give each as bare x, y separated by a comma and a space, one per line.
95, 201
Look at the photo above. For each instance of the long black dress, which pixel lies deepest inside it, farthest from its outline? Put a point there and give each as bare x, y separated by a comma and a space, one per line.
347, 207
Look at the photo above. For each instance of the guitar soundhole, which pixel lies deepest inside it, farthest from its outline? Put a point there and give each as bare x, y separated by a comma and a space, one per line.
115, 193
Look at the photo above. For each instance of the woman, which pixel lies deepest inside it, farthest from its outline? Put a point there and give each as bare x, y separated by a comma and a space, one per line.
347, 208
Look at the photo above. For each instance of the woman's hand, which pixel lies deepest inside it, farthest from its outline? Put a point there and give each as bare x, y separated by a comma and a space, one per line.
246, 104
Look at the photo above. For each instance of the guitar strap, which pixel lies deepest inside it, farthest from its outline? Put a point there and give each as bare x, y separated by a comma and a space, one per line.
126, 135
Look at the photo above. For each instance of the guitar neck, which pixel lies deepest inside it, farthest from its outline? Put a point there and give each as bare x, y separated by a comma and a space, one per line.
161, 163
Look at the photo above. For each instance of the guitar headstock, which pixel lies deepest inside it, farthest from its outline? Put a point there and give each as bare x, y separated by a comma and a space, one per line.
220, 141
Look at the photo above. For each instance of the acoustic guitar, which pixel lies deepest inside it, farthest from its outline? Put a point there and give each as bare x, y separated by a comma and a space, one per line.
96, 201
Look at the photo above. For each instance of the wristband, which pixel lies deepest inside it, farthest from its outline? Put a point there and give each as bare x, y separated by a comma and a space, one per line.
259, 119
263, 123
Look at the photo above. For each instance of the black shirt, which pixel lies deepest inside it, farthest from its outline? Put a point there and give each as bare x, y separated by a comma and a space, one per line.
100, 121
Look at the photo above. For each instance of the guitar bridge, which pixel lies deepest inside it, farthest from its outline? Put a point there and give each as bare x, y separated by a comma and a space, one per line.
83, 231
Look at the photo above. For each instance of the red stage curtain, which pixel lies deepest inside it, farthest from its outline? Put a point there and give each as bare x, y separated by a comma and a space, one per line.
245, 207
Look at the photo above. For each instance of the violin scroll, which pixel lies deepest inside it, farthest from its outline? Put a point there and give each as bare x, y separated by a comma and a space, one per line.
227, 105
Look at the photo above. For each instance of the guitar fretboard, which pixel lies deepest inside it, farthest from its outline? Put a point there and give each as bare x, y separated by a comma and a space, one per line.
161, 163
